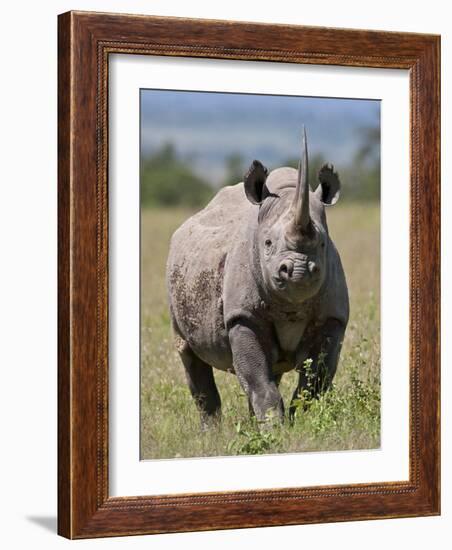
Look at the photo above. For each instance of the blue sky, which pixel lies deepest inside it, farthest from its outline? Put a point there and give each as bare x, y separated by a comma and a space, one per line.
207, 127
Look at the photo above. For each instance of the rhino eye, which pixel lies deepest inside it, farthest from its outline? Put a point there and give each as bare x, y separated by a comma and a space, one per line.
268, 242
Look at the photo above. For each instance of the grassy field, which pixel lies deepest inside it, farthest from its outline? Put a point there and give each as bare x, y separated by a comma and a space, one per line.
346, 417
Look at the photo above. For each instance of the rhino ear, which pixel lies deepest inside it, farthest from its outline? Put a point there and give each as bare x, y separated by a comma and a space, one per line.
330, 187
254, 183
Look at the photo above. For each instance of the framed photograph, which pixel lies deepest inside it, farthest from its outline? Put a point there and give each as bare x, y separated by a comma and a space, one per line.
248, 275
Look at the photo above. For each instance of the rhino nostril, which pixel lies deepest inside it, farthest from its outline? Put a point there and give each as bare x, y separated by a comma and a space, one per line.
285, 270
313, 267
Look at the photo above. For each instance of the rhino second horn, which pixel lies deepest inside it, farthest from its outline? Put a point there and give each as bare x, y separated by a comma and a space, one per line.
301, 200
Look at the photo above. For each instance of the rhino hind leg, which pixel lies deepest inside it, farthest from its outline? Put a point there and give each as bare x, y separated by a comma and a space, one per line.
202, 387
324, 352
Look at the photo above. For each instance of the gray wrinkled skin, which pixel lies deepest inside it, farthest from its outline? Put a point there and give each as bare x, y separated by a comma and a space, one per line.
256, 287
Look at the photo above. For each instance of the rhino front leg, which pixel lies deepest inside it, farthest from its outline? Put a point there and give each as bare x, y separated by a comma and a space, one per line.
250, 405
252, 365
324, 352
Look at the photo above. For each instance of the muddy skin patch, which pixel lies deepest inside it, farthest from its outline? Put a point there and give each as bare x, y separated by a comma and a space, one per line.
192, 302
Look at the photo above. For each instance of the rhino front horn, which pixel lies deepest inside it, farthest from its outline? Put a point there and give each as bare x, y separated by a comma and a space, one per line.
301, 199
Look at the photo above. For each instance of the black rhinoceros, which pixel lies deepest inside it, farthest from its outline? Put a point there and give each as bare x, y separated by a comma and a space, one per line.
256, 287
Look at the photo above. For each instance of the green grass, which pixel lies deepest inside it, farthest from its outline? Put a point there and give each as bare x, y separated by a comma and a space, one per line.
346, 417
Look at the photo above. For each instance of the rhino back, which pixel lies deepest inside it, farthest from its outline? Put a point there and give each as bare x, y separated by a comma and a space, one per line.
195, 273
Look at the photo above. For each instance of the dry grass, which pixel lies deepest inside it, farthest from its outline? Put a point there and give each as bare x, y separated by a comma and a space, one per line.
347, 417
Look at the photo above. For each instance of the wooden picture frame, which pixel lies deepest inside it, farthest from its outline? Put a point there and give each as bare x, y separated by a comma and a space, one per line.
85, 42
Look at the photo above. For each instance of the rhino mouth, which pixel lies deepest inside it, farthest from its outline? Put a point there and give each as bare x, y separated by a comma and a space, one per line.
279, 283
298, 278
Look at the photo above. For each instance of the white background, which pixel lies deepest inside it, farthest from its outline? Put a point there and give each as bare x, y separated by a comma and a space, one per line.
28, 274
128, 475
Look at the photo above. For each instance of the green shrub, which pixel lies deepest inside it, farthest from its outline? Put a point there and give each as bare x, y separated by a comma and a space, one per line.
167, 180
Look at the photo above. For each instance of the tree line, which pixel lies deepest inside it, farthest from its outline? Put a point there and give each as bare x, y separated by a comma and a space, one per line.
168, 180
